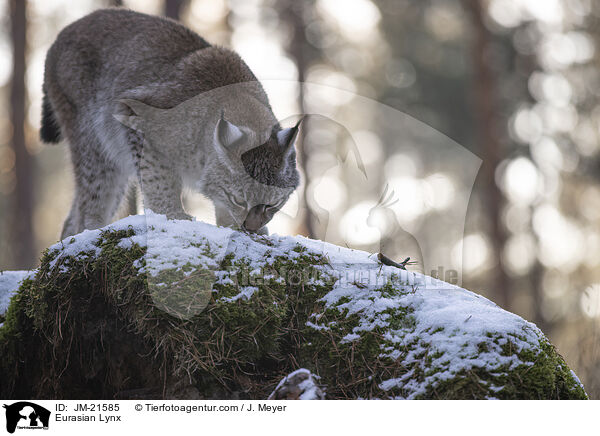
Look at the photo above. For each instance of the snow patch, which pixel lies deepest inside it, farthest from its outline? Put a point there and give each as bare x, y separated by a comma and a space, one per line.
245, 293
9, 284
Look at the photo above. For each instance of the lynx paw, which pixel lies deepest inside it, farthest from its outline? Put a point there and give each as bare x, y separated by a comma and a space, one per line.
180, 216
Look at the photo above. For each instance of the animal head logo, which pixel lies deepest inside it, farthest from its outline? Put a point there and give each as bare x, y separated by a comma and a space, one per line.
416, 219
27, 415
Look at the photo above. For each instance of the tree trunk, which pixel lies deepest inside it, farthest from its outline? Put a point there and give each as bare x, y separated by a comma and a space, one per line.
488, 132
173, 8
291, 13
22, 197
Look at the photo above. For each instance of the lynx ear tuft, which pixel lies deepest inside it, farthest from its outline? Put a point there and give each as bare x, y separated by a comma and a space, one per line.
228, 136
286, 137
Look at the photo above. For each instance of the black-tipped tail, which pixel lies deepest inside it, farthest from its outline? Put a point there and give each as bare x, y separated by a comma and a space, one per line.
50, 130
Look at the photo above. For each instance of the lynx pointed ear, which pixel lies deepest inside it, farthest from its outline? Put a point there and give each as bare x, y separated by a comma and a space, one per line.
140, 111
228, 135
286, 137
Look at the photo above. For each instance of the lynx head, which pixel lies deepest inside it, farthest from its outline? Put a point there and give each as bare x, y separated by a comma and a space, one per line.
252, 177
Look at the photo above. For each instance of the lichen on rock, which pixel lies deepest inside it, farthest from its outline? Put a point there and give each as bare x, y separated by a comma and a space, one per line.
152, 308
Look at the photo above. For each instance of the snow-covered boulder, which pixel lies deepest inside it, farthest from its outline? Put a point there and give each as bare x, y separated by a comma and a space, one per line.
150, 308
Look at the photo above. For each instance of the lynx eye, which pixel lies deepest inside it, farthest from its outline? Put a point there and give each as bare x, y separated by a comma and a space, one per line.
238, 202
235, 200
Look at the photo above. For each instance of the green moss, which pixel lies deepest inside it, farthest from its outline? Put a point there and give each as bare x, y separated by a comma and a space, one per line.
182, 292
94, 326
543, 374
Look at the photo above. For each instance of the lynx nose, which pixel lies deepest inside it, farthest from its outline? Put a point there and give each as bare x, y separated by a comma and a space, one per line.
256, 218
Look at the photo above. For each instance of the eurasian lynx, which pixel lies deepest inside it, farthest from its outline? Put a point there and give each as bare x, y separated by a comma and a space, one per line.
137, 95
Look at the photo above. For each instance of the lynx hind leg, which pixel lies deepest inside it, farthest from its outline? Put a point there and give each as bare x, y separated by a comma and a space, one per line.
73, 223
100, 187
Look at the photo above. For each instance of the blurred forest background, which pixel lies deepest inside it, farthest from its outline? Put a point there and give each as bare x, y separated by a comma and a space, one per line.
516, 82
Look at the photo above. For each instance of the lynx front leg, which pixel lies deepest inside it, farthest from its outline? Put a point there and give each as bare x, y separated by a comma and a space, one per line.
161, 187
